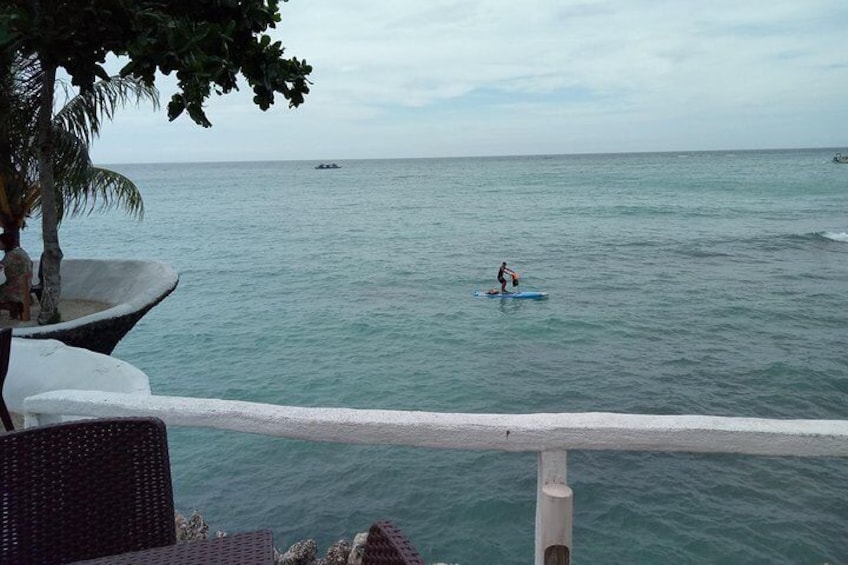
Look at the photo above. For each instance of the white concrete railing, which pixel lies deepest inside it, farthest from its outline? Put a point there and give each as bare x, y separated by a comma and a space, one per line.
550, 435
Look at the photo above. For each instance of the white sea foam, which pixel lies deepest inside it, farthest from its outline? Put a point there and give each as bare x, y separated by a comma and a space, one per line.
836, 236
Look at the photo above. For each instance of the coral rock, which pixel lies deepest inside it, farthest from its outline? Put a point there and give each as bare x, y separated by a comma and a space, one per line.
355, 557
192, 529
301, 553
338, 553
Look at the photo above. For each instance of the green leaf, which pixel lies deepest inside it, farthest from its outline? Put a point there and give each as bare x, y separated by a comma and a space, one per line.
101, 73
176, 107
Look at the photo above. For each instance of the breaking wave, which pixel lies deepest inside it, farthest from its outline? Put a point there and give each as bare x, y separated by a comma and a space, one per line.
835, 236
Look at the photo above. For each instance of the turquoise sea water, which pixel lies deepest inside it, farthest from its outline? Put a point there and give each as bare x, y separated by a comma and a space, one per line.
691, 283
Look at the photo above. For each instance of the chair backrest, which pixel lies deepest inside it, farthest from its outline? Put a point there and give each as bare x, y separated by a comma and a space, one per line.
85, 489
5, 352
387, 545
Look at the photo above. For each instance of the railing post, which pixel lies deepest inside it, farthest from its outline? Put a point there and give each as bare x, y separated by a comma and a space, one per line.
553, 510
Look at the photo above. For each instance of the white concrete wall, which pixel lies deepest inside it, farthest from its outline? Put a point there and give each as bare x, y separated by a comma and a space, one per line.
43, 365
115, 281
128, 285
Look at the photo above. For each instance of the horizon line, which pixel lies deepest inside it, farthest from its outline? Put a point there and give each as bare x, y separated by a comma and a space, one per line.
499, 156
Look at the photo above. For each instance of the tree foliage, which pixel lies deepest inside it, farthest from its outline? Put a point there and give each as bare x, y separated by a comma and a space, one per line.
206, 43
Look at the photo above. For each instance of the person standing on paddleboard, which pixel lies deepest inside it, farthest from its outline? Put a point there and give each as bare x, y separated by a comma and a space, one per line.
502, 279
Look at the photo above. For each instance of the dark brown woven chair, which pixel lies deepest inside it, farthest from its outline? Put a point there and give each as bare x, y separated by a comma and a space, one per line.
85, 489
387, 545
5, 352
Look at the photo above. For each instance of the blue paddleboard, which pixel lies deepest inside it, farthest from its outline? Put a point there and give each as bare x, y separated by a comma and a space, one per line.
525, 294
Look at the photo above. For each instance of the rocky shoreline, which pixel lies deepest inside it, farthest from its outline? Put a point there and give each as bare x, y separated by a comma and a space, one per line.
304, 552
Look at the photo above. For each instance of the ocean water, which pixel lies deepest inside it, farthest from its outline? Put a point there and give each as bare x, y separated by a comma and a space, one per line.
680, 283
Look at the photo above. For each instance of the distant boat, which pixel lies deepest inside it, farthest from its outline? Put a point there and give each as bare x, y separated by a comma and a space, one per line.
328, 166
840, 159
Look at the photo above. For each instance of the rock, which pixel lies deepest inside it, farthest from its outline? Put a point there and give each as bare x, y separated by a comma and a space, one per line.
301, 553
192, 529
180, 525
355, 556
338, 553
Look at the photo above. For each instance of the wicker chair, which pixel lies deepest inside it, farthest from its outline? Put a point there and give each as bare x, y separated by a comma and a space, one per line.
85, 489
387, 545
5, 352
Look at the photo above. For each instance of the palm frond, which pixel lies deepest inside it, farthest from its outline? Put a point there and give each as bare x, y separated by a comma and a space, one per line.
19, 89
71, 159
20, 83
84, 114
104, 190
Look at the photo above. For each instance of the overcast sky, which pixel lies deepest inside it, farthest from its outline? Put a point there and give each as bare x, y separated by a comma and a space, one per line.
495, 77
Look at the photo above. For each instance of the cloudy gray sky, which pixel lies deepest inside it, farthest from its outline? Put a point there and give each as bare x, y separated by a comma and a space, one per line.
495, 77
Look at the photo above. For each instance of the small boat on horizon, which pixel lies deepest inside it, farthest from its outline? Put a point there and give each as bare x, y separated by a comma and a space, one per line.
328, 166
838, 158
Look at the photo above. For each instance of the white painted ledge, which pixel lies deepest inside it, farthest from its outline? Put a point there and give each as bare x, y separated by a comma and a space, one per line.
43, 365
504, 432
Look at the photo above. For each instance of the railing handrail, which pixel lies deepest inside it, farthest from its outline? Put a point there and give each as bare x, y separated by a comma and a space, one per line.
551, 435
504, 432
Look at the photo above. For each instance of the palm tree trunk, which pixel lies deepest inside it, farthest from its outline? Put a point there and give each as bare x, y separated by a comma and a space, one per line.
52, 254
